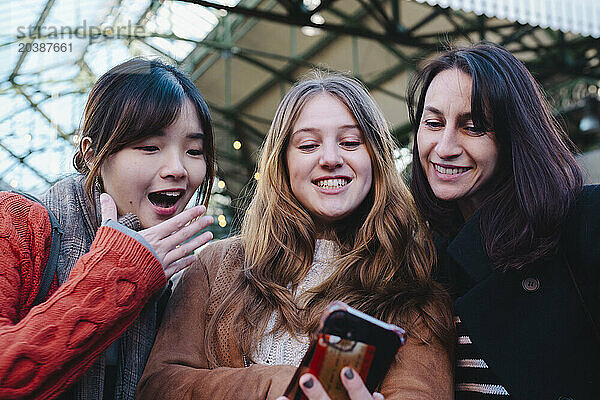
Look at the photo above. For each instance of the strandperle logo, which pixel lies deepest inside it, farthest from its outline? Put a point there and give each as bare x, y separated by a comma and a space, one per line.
82, 31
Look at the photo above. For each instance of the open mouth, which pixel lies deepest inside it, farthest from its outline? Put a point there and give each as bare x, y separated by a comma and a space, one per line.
165, 199
450, 171
333, 183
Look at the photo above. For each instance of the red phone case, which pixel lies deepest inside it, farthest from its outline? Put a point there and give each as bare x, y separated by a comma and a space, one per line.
329, 354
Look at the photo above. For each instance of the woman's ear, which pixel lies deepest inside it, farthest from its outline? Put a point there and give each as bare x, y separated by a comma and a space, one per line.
86, 150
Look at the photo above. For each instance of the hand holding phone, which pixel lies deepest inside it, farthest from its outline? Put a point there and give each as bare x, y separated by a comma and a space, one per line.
355, 387
348, 338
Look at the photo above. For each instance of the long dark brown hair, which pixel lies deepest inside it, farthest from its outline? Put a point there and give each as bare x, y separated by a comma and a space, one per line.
537, 176
386, 256
135, 100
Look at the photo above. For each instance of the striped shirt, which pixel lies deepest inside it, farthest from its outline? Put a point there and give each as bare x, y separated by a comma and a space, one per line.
474, 379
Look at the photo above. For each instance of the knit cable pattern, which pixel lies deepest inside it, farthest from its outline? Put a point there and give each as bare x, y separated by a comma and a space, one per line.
44, 349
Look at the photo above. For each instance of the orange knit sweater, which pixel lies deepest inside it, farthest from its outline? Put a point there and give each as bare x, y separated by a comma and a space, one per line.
44, 349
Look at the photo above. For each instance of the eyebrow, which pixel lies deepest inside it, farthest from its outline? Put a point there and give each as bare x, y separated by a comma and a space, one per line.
193, 135
311, 130
352, 126
461, 117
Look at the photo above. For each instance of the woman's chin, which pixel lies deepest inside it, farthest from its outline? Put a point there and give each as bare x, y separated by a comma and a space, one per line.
447, 195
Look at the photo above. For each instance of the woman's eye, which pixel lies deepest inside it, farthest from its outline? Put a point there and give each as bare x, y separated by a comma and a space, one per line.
195, 152
351, 143
147, 148
474, 131
307, 147
433, 124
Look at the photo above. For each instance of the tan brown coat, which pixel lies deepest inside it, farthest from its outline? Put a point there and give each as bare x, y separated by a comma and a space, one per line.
179, 368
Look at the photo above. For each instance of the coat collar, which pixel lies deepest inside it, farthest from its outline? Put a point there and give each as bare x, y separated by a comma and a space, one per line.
468, 250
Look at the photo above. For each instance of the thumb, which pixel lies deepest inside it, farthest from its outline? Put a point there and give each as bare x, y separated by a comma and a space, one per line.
108, 207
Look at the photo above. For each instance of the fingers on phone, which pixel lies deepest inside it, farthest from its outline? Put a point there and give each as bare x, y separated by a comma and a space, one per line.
312, 387
354, 384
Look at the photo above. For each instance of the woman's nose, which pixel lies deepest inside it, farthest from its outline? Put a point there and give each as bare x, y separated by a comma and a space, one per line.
448, 145
173, 167
331, 156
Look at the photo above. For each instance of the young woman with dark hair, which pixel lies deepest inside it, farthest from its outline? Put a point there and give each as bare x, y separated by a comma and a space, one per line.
330, 219
516, 234
146, 149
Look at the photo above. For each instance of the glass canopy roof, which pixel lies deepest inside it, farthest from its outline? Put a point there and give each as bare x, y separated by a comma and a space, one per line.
53, 51
243, 57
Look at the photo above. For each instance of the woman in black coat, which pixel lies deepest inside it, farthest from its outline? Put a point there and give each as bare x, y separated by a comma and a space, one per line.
518, 237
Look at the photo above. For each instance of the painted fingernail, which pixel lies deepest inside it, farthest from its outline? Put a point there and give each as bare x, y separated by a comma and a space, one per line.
309, 383
348, 373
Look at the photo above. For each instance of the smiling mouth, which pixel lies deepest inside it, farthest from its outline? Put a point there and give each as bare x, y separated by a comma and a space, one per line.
165, 199
332, 183
450, 171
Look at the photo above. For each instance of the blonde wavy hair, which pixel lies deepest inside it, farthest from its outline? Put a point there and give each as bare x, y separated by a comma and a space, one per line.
386, 254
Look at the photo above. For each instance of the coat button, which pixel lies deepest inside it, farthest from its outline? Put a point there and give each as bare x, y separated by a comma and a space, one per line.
530, 284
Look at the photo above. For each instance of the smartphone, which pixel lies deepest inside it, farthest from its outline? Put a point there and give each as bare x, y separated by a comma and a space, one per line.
348, 337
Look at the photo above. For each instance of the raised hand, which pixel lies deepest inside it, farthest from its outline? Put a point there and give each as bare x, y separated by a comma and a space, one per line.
167, 238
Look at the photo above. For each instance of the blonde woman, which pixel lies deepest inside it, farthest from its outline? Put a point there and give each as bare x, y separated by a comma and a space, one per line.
331, 219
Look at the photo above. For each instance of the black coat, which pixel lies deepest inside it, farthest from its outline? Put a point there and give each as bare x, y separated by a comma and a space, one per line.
538, 341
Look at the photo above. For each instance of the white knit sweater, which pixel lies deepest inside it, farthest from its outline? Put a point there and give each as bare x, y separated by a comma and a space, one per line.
281, 347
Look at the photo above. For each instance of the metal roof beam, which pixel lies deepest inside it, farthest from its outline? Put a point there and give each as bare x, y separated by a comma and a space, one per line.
21, 160
323, 6
245, 25
376, 12
230, 115
283, 77
40, 22
454, 34
449, 17
387, 46
156, 49
387, 20
292, 7
286, 70
517, 34
399, 37
279, 57
436, 11
308, 54
36, 107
